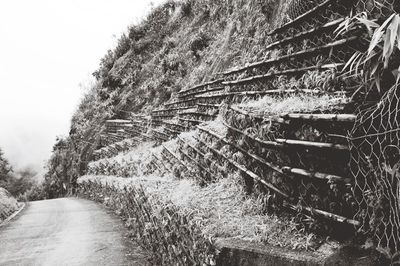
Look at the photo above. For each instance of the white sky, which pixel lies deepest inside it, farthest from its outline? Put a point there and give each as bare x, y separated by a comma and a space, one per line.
47, 48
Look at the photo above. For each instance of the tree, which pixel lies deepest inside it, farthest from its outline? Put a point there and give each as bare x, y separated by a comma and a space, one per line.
5, 169
15, 183
21, 181
62, 169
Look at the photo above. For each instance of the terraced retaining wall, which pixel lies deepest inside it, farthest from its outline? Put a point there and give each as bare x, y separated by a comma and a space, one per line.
285, 125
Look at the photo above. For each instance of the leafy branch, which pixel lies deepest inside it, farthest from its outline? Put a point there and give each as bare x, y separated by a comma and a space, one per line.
384, 42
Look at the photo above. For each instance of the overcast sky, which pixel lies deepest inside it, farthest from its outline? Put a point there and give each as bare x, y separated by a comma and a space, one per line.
47, 48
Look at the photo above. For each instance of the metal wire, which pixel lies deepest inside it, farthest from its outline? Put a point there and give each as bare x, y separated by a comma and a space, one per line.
375, 164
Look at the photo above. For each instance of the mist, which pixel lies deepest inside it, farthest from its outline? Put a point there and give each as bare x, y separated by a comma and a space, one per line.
47, 49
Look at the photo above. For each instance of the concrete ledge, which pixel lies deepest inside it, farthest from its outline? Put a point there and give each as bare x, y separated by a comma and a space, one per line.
235, 252
355, 256
12, 216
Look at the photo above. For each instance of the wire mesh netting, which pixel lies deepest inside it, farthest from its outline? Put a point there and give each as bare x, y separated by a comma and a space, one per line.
377, 8
374, 141
375, 164
375, 154
309, 15
298, 7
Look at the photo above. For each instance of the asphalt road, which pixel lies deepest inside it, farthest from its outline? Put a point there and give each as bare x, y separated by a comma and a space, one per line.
67, 231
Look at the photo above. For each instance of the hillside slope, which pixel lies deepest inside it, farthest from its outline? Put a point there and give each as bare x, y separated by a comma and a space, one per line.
8, 205
178, 45
245, 98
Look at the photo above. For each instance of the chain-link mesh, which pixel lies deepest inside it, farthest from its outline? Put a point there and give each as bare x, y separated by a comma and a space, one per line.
299, 7
375, 164
295, 49
314, 14
377, 9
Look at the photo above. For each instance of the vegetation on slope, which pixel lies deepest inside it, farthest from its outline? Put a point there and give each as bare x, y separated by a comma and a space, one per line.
178, 45
184, 43
20, 184
8, 205
220, 209
154, 205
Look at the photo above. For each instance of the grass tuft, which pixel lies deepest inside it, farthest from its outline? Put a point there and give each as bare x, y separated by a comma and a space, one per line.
295, 103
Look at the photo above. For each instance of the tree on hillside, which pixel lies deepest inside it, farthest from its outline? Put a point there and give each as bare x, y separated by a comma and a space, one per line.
5, 169
21, 181
62, 169
16, 183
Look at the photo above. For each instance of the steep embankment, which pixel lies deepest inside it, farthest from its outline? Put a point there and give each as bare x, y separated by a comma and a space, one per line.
8, 205
280, 146
181, 43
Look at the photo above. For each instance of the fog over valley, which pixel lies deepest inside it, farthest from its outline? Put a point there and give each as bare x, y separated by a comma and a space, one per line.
47, 50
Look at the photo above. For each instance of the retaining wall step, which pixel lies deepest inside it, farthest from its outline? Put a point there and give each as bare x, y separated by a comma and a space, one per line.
236, 252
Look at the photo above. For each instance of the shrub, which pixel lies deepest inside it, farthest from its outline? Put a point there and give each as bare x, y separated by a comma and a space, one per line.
186, 8
198, 43
135, 33
123, 46
8, 204
36, 192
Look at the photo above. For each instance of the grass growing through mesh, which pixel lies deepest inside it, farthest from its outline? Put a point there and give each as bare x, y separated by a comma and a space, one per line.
294, 103
217, 126
125, 164
221, 209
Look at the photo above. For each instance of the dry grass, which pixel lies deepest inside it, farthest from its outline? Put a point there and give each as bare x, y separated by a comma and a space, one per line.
136, 154
132, 162
217, 126
294, 103
221, 209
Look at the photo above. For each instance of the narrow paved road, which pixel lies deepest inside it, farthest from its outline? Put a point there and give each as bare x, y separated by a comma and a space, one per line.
66, 231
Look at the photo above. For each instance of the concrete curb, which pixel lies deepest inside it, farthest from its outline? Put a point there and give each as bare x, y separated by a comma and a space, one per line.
12, 216
235, 252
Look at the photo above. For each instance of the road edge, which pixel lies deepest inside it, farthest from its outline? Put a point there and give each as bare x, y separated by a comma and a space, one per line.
12, 216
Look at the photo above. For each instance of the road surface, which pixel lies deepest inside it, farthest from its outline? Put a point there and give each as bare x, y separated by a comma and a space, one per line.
67, 231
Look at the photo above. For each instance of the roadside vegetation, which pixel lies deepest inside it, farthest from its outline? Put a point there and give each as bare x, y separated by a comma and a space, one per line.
171, 213
22, 184
16, 183
220, 209
8, 204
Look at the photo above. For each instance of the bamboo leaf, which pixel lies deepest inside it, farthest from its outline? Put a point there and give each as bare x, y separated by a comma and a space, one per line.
374, 69
398, 33
369, 57
377, 82
387, 47
359, 63
387, 22
342, 27
390, 40
351, 60
394, 28
368, 23
376, 38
